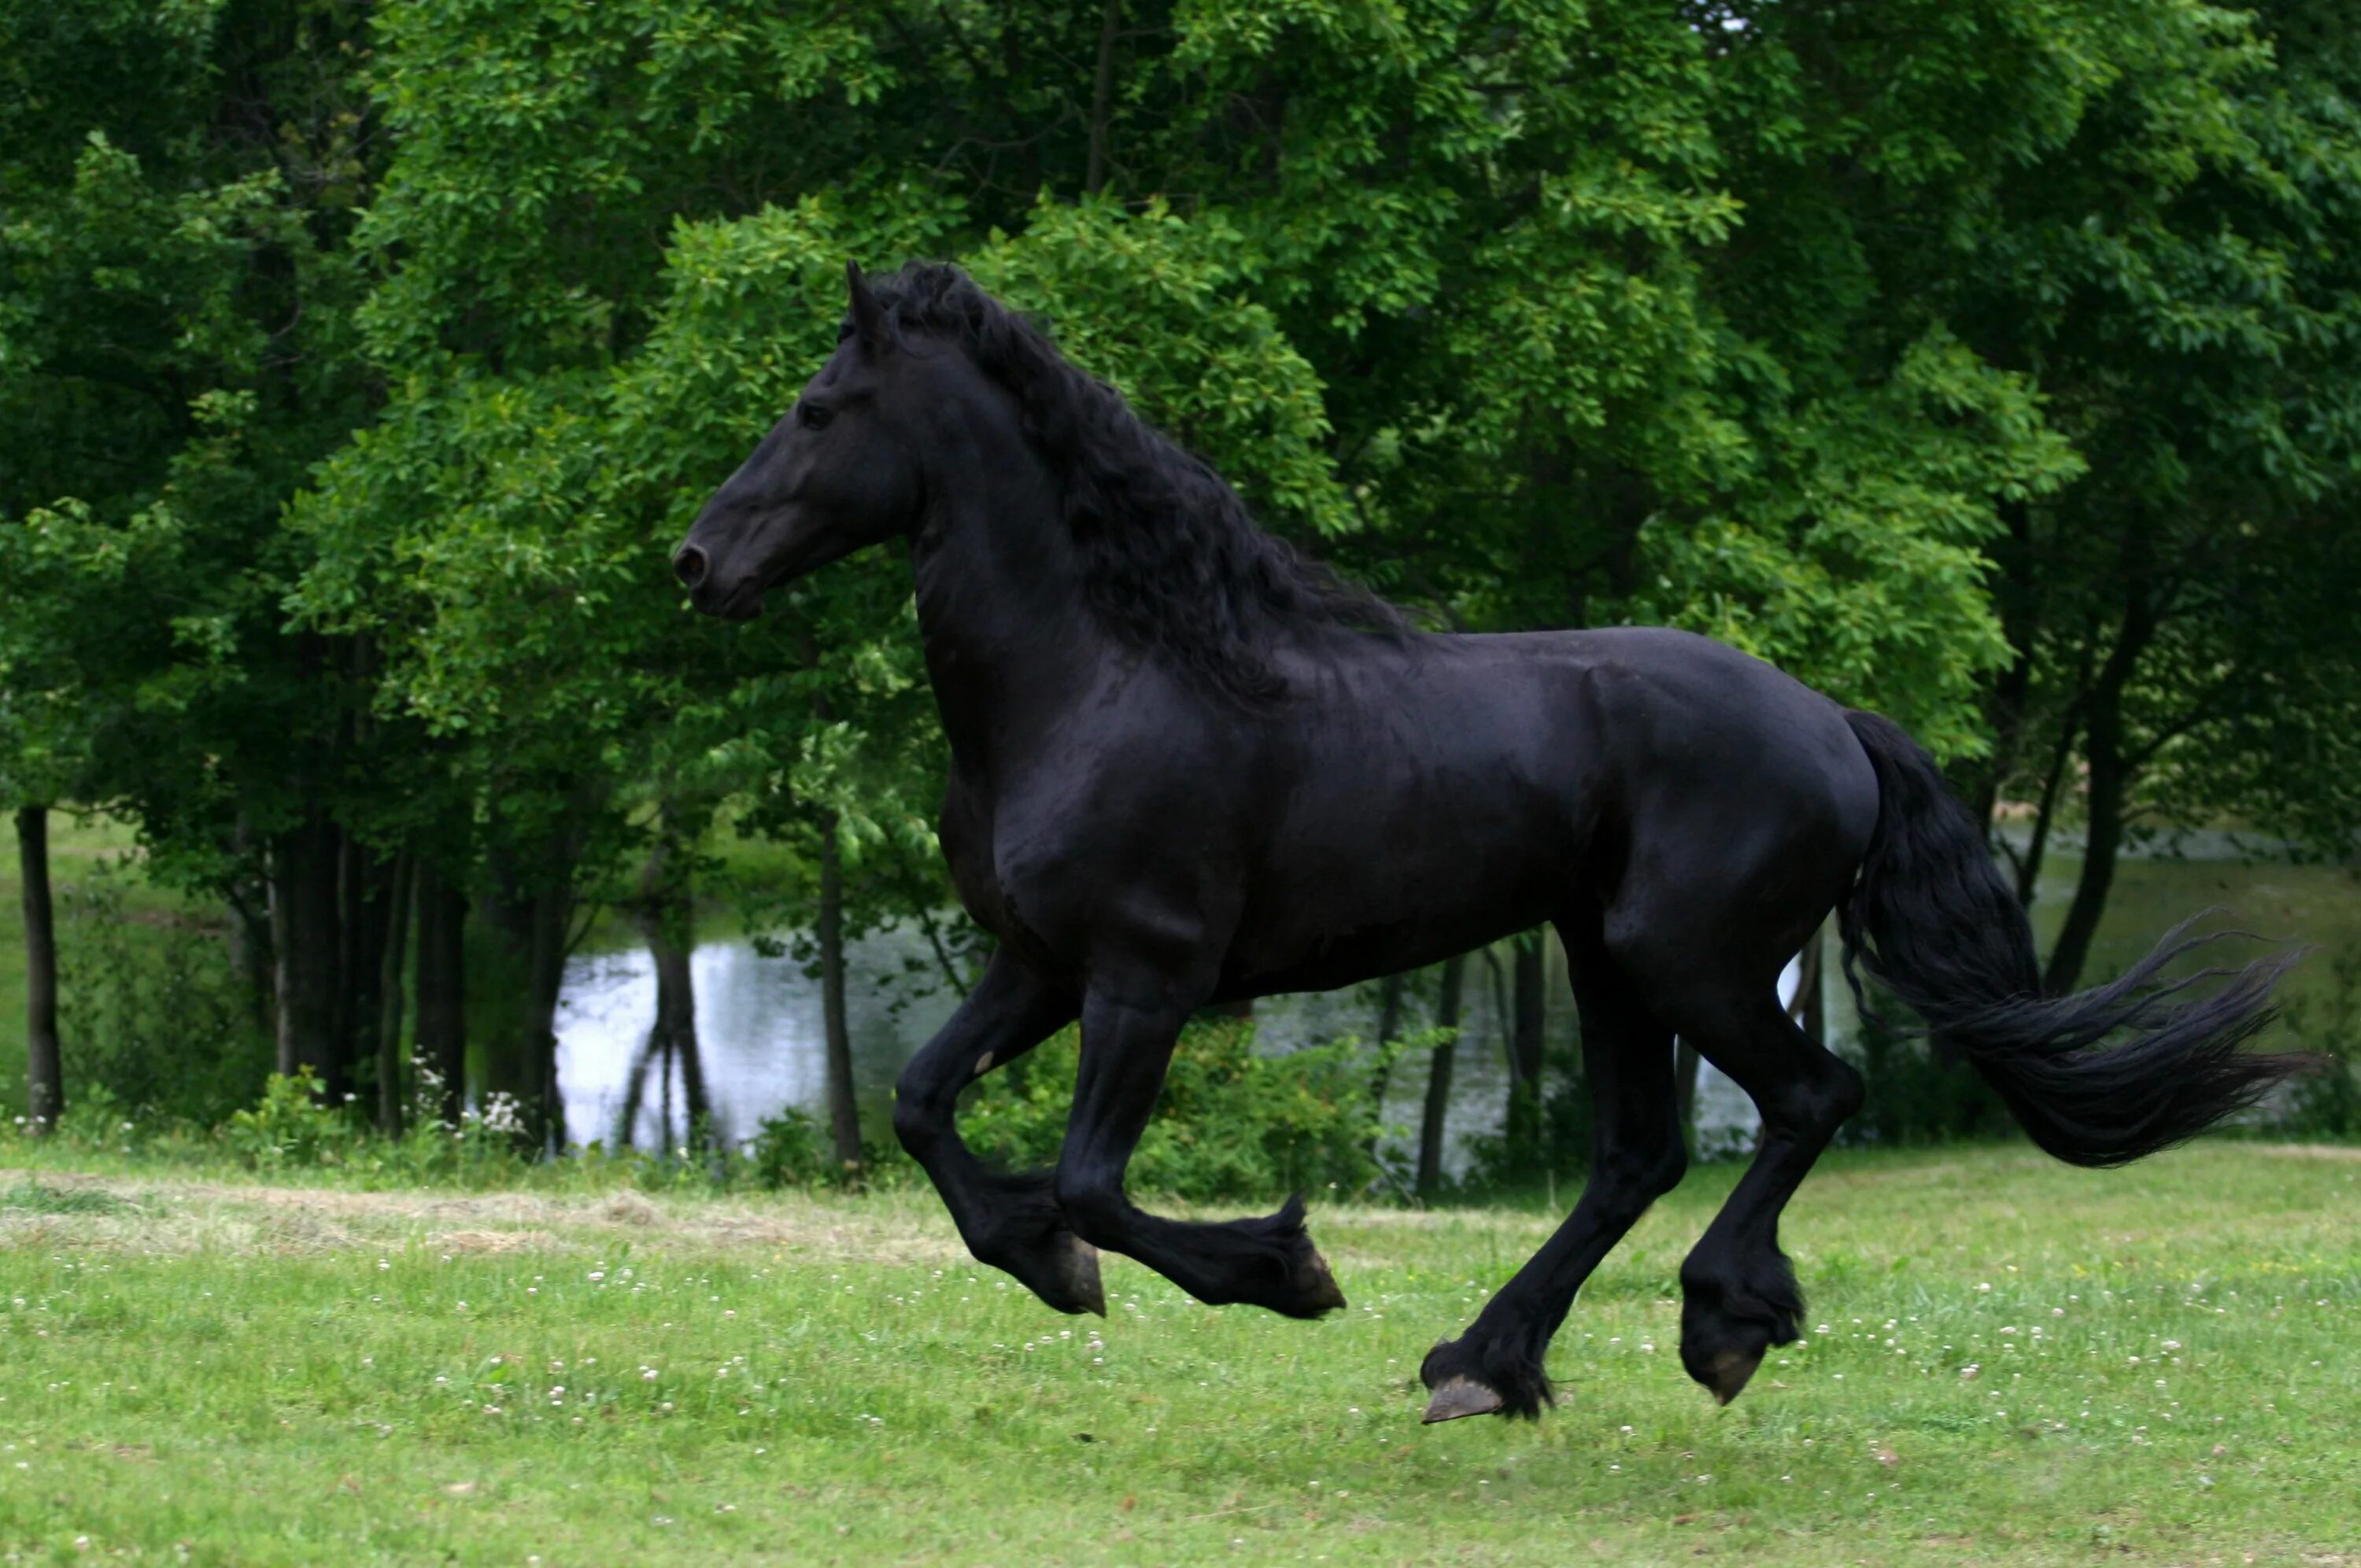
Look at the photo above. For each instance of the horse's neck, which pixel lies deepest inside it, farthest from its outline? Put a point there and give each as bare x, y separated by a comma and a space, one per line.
1010, 640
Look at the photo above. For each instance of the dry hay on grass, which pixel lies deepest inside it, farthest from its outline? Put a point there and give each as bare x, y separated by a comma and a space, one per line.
892, 1227
181, 1216
2311, 1151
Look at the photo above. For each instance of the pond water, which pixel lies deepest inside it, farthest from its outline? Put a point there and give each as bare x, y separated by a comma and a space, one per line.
759, 1016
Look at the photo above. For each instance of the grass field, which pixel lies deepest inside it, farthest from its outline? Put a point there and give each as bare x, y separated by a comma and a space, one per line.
2010, 1362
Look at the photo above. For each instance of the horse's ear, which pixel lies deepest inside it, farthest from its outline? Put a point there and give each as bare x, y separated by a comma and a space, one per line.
868, 315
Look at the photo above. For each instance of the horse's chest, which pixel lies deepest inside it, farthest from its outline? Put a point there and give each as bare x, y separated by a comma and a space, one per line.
1004, 899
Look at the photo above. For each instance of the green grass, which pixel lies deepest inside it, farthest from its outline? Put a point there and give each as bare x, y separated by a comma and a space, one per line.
214, 1371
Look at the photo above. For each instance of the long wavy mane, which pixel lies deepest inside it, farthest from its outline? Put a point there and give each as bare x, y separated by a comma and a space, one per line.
1172, 560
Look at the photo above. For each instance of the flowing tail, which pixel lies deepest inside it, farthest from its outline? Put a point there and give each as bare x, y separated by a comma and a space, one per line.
1932, 920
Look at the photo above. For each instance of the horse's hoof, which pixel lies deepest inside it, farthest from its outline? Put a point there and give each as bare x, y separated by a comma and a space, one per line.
1731, 1371
1079, 1273
1460, 1397
1064, 1272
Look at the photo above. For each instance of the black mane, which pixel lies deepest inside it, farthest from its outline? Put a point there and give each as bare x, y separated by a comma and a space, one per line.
1172, 559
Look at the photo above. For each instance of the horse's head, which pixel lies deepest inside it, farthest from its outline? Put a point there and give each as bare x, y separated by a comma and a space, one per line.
837, 473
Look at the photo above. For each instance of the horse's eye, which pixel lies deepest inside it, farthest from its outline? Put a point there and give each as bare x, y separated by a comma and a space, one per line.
813, 416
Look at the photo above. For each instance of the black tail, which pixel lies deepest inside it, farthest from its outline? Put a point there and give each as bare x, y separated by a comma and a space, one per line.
1931, 918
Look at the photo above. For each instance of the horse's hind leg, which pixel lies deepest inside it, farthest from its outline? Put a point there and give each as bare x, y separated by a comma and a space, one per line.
1010, 1220
1738, 1289
1636, 1157
1268, 1262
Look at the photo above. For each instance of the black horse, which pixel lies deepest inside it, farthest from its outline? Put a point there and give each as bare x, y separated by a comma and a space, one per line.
1190, 767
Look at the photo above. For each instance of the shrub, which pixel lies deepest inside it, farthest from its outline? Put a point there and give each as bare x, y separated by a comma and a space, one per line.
787, 1150
290, 1127
2327, 1103
153, 1011
1231, 1125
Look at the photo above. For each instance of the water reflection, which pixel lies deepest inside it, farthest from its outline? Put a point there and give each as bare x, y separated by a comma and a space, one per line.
760, 1017
760, 1029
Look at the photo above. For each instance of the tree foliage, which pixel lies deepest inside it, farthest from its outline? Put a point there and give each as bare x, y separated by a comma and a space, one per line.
1990, 363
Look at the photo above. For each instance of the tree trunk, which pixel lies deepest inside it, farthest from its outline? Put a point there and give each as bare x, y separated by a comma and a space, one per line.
306, 927
635, 1083
2108, 782
843, 1111
440, 1041
697, 1109
1094, 172
45, 1083
1389, 1005
391, 955
552, 923
248, 893
520, 1031
1528, 1033
1438, 1079
666, 914
367, 901
2014, 599
2103, 748
2045, 810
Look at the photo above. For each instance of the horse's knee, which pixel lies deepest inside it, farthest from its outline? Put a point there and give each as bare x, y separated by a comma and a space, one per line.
921, 1113
1817, 1102
1093, 1203
1631, 1177
1657, 1172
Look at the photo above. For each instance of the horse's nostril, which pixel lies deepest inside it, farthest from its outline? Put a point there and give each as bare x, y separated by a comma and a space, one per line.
690, 565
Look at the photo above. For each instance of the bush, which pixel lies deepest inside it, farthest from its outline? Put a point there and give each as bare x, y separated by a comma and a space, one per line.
290, 1128
787, 1150
2327, 1103
153, 1012
1231, 1125
1914, 1092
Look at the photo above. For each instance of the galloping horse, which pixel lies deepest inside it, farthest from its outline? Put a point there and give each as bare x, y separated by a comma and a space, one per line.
1188, 766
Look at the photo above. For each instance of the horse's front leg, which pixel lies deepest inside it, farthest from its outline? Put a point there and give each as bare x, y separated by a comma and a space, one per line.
1128, 1045
1010, 1220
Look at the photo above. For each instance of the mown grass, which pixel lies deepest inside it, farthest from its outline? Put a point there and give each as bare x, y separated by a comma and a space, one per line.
219, 1372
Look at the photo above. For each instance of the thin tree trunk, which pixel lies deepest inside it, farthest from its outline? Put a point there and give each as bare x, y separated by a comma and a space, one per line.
943, 954
1438, 1079
2102, 748
441, 1040
635, 1088
1527, 1033
45, 1083
2107, 783
369, 919
390, 957
2045, 812
843, 1111
345, 1014
553, 921
665, 913
1390, 1005
1102, 97
696, 1108
663, 1095
305, 937
248, 897
2014, 599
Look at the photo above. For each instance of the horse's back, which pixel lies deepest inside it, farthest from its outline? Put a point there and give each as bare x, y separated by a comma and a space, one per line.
1430, 794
